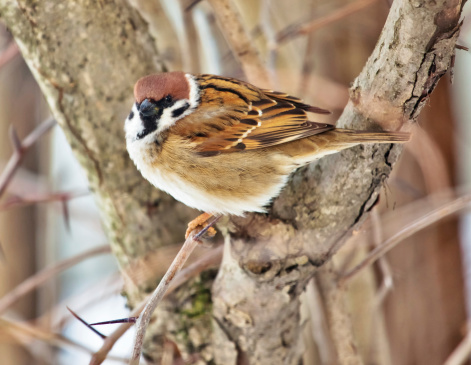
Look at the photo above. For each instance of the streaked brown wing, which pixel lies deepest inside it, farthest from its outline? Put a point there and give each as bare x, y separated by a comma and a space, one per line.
298, 103
251, 119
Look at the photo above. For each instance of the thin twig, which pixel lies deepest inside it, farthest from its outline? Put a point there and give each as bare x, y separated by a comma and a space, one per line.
20, 201
20, 149
428, 219
294, 31
45, 274
387, 282
213, 258
191, 4
115, 321
144, 319
56, 316
461, 47
89, 326
239, 40
23, 329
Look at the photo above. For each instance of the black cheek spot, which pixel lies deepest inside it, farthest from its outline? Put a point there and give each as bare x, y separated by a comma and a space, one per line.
177, 112
131, 115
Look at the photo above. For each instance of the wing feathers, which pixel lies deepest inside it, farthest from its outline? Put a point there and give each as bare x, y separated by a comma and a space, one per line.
243, 117
298, 103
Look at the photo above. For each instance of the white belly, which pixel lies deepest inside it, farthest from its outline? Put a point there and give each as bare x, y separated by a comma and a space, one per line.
195, 197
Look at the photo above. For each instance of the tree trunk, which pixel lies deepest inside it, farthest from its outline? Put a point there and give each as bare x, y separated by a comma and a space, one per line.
86, 56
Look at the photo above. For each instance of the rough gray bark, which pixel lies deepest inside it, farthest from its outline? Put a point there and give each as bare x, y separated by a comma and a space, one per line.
86, 56
256, 294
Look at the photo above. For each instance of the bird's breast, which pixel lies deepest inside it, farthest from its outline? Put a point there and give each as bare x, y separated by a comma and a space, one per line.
230, 183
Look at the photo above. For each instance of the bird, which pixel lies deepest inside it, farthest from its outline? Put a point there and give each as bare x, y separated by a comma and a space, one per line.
225, 146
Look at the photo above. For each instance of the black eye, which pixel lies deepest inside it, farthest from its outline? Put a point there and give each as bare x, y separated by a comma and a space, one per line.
168, 98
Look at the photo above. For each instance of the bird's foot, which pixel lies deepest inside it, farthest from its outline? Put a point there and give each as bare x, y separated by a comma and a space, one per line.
200, 223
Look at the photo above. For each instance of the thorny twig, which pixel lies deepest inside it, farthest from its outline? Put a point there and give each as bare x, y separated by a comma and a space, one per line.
22, 329
45, 274
297, 30
89, 326
20, 201
190, 244
212, 258
428, 219
20, 149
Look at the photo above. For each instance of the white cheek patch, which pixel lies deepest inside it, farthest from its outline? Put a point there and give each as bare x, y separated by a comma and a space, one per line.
194, 91
133, 125
167, 119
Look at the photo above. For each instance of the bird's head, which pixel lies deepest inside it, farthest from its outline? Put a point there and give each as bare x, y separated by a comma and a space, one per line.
160, 100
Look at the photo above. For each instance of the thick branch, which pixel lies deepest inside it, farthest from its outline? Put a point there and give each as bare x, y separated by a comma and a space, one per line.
86, 56
325, 202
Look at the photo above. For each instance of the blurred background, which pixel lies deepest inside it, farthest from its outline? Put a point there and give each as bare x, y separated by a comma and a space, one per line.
410, 308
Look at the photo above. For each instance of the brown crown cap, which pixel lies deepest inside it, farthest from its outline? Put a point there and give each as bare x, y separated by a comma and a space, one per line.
158, 86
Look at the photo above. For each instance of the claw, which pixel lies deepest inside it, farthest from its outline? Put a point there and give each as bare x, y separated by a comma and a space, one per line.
199, 223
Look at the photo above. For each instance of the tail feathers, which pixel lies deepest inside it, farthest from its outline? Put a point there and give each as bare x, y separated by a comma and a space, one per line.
355, 137
311, 148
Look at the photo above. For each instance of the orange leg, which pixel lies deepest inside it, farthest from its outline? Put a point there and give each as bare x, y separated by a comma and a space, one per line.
199, 223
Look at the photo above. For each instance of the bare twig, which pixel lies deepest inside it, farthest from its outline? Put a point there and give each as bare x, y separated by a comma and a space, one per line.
20, 149
9, 53
387, 282
238, 38
191, 4
461, 354
115, 321
20, 201
428, 219
431, 161
297, 30
89, 326
45, 274
213, 258
143, 321
189, 44
66, 214
56, 316
23, 330
318, 320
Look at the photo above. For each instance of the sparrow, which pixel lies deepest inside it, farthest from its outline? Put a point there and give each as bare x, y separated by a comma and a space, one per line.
224, 146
